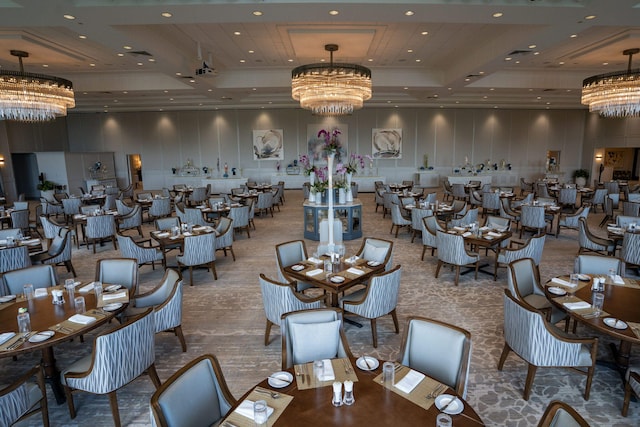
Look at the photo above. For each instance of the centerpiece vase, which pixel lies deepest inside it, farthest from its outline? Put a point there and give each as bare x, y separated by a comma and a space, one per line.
312, 178
342, 196
348, 193
312, 197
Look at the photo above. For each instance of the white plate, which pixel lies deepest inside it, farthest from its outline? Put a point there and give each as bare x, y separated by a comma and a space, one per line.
615, 323
41, 336
373, 263
297, 267
455, 408
7, 298
584, 277
280, 379
369, 365
337, 279
112, 307
112, 288
556, 291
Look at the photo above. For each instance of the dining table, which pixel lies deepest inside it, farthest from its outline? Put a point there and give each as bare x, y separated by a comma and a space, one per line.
621, 302
298, 398
81, 220
168, 241
484, 237
54, 324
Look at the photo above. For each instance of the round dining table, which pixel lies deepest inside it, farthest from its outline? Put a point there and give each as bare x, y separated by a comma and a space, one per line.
374, 405
44, 316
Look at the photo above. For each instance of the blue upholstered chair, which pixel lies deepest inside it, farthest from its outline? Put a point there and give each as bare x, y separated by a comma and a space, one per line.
119, 356
144, 255
397, 220
196, 395
240, 217
437, 349
590, 243
596, 264
568, 197
40, 276
596, 199
531, 249
265, 203
100, 228
58, 253
452, 251
71, 207
379, 250
377, 299
166, 224
22, 398
121, 271
468, 218
288, 254
20, 219
630, 252
224, 236
459, 192
490, 203
198, 196
429, 234
507, 212
310, 335
541, 344
532, 218
572, 220
560, 414
131, 220
416, 220
14, 258
199, 250
280, 298
160, 208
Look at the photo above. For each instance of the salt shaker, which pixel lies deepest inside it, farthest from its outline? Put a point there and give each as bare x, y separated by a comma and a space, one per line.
348, 393
337, 394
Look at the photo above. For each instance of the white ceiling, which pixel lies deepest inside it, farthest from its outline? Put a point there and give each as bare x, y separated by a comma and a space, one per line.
461, 62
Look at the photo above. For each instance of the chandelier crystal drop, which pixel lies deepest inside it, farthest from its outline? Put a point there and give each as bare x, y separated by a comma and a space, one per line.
331, 89
614, 94
30, 97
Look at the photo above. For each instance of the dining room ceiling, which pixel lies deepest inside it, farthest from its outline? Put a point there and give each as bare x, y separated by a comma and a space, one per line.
124, 55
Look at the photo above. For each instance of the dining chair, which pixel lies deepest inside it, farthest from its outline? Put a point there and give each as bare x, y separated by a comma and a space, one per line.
417, 214
35, 225
265, 203
630, 253
439, 350
452, 251
10, 232
505, 211
196, 395
58, 253
160, 208
323, 231
525, 186
23, 398
398, 220
561, 414
567, 198
20, 219
624, 220
590, 243
199, 250
540, 344
71, 207
467, 219
100, 228
192, 216
612, 187
596, 264
277, 196
240, 217
532, 249
532, 218
14, 258
127, 192
475, 198
288, 254
378, 195
279, 298
446, 190
377, 299
631, 209
378, 250
166, 224
388, 198
109, 202
144, 196
143, 254
596, 199
459, 208
40, 276
459, 192
120, 271
313, 334
542, 190
89, 209
132, 220
429, 234
490, 203
198, 196
119, 356
166, 300
571, 221
610, 206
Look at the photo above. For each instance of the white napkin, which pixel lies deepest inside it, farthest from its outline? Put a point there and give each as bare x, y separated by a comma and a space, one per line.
40, 292
353, 259
187, 234
246, 409
577, 305
459, 228
618, 280
467, 234
87, 288
355, 271
314, 260
163, 234
82, 319
493, 234
327, 371
314, 272
3, 242
485, 228
4, 337
117, 295
410, 381
563, 282
30, 241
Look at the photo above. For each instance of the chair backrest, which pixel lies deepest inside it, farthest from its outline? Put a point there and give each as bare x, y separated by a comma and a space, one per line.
568, 196
438, 349
533, 216
631, 248
120, 271
161, 292
625, 220
224, 238
417, 214
381, 294
451, 249
89, 209
631, 208
21, 206
20, 219
499, 223
324, 231
309, 335
199, 249
523, 278
240, 216
122, 207
60, 244
40, 276
160, 207
100, 226
612, 187
9, 232
162, 224
380, 250
71, 206
560, 414
20, 398
458, 190
469, 218
278, 298
199, 195
209, 397
491, 201
109, 202
594, 264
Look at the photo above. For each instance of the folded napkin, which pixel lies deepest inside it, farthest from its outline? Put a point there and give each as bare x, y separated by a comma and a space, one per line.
459, 228
164, 234
3, 242
314, 260
314, 272
494, 234
563, 282
410, 206
327, 371
30, 241
246, 409
40, 292
174, 237
353, 259
410, 381
4, 337
87, 288
577, 305
467, 234
82, 319
116, 295
355, 271
187, 234
618, 280
485, 228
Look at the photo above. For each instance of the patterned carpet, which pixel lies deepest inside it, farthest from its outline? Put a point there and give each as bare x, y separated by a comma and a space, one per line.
225, 317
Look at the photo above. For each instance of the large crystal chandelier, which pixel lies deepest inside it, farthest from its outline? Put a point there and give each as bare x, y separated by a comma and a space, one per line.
30, 97
614, 94
331, 89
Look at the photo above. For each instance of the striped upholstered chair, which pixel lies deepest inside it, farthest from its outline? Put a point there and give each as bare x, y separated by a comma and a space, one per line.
631, 250
121, 271
287, 254
541, 344
58, 253
429, 234
591, 243
131, 220
119, 356
560, 414
160, 208
240, 217
14, 258
22, 399
279, 298
378, 299
199, 250
416, 220
397, 220
533, 218
451, 251
144, 255
571, 220
531, 249
100, 228
224, 236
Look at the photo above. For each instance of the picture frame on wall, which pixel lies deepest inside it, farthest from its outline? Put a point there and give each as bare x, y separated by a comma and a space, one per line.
614, 159
315, 144
268, 144
386, 143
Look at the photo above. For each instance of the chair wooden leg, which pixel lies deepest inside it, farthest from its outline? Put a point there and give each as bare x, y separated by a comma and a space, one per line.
503, 357
627, 398
69, 396
531, 373
190, 275
438, 268
458, 274
394, 316
43, 402
374, 333
267, 332
153, 374
413, 236
113, 401
180, 335
391, 231
424, 249
69, 266
587, 387
232, 254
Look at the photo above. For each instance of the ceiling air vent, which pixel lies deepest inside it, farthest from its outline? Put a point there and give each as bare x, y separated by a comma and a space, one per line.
519, 52
139, 53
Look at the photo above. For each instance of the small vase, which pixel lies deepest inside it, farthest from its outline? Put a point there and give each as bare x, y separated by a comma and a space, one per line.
349, 177
312, 178
312, 197
349, 195
342, 196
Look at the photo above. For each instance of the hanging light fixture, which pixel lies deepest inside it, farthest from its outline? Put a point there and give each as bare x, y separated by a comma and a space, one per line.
30, 97
331, 89
614, 94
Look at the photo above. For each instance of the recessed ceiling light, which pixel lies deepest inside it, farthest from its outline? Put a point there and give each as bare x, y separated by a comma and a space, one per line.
424, 33
178, 73
495, 106
257, 13
532, 46
573, 36
467, 79
125, 91
333, 12
590, 17
517, 62
409, 13
481, 72
69, 17
121, 54
508, 58
605, 63
538, 97
253, 88
166, 91
127, 47
449, 88
409, 50
548, 103
115, 100
166, 14
493, 88
45, 65
388, 102
82, 36
370, 60
140, 63
105, 106
242, 61
406, 88
170, 99
457, 102
92, 65
485, 97
497, 15
236, 33
252, 51
192, 81
152, 60
418, 60
160, 109
289, 60
561, 62
536, 53
209, 90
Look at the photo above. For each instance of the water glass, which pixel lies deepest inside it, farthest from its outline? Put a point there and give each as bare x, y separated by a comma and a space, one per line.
70, 286
612, 275
28, 291
574, 279
78, 302
597, 303
443, 420
328, 268
348, 393
318, 369
388, 373
24, 322
260, 414
337, 394
97, 288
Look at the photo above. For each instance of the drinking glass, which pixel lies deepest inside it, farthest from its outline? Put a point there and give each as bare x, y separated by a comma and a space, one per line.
337, 394
78, 302
443, 420
348, 393
612, 275
388, 373
70, 286
597, 303
24, 322
318, 370
260, 415
328, 268
97, 288
28, 291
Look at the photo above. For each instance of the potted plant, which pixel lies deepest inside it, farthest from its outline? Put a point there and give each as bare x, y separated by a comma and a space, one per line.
580, 177
46, 189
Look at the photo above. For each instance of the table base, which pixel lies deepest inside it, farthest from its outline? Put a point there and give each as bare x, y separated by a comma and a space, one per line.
52, 375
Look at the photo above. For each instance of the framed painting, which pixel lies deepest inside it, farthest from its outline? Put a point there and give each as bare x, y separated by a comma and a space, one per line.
614, 159
386, 143
315, 144
268, 144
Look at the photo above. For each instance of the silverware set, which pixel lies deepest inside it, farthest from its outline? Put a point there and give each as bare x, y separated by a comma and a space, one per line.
347, 367
436, 391
273, 394
20, 341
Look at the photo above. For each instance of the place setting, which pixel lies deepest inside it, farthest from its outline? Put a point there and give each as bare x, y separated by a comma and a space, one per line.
322, 373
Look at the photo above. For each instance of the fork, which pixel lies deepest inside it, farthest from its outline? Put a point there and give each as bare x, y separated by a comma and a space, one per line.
436, 392
347, 366
20, 341
273, 394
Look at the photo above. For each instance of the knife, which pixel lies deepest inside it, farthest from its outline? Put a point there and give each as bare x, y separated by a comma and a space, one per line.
448, 404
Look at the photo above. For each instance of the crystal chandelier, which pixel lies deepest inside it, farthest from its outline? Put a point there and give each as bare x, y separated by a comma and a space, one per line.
331, 89
614, 94
30, 97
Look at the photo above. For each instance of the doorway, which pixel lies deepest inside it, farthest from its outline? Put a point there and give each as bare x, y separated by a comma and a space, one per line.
25, 172
135, 170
